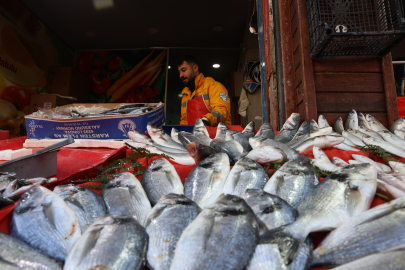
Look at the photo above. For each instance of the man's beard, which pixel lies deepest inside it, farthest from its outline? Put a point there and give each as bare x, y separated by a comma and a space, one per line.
190, 80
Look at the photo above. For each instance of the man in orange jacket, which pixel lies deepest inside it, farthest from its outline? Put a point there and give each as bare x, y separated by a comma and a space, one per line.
203, 97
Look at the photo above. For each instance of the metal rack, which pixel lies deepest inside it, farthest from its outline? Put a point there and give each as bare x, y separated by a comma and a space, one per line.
354, 27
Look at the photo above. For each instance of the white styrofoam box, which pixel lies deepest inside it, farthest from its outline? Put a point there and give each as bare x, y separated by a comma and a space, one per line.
79, 143
12, 154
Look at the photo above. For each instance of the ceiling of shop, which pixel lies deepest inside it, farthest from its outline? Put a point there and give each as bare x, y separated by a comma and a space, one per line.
149, 23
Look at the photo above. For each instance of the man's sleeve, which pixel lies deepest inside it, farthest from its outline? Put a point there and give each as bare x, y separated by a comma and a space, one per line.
183, 120
220, 104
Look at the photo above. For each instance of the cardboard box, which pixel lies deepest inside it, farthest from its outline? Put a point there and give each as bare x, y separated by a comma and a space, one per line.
67, 81
108, 127
48, 101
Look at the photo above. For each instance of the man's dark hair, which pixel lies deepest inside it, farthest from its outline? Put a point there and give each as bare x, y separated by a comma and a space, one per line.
189, 59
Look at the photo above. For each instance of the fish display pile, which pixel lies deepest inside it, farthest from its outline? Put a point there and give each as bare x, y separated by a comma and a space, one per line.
94, 111
223, 217
11, 187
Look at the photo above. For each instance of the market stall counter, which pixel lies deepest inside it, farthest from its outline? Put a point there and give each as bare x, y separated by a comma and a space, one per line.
72, 164
80, 164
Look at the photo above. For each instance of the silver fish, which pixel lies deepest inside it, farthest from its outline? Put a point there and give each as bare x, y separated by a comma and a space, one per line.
227, 227
16, 194
205, 182
289, 129
352, 120
164, 225
345, 147
267, 131
159, 179
303, 257
6, 175
201, 132
87, 204
182, 158
112, 242
363, 121
160, 137
370, 132
240, 138
245, 174
392, 259
137, 137
292, 182
295, 255
266, 256
398, 124
397, 166
322, 122
290, 153
385, 145
5, 182
5, 202
124, 195
269, 208
392, 138
391, 180
233, 149
43, 220
266, 154
374, 123
175, 135
323, 141
249, 130
313, 125
388, 190
379, 166
36, 180
256, 141
356, 140
222, 128
322, 161
370, 232
341, 195
339, 125
400, 133
12, 186
339, 162
302, 134
357, 133
15, 254
186, 138
200, 151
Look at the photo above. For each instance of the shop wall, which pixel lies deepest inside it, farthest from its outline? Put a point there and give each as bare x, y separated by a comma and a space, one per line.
27, 49
124, 75
254, 111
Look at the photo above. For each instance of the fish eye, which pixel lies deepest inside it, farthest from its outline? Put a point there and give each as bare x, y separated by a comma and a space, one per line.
236, 200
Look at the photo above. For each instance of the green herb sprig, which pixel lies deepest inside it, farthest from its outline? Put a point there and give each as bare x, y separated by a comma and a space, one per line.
319, 172
380, 152
120, 165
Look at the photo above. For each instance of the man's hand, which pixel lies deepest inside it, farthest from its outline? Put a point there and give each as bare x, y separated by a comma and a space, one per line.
205, 121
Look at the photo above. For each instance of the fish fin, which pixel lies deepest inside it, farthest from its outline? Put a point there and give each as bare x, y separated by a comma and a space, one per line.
48, 211
279, 182
287, 244
352, 197
91, 241
5, 262
380, 215
303, 158
157, 210
74, 202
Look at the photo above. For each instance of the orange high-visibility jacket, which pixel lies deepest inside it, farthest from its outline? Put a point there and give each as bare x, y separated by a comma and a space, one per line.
215, 96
